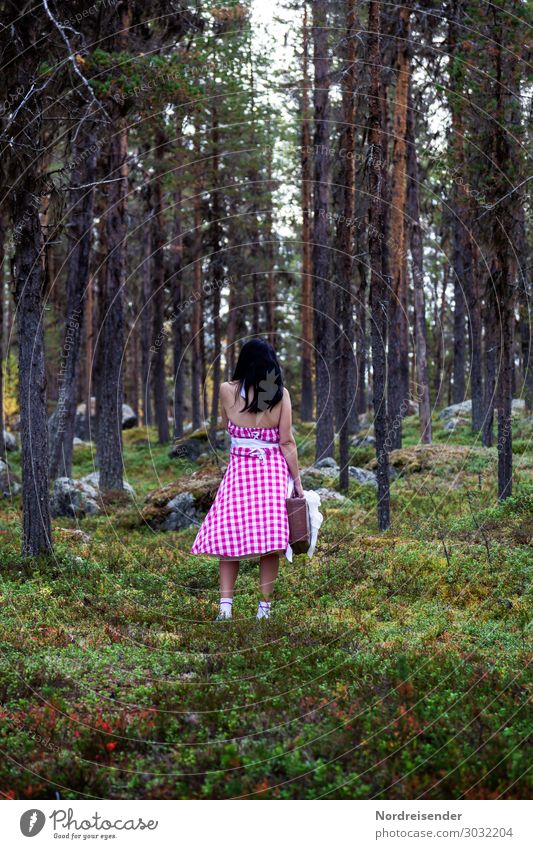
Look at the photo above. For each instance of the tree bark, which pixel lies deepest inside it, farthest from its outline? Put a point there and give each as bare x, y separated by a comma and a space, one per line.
146, 305
490, 321
111, 336
323, 300
270, 298
196, 321
475, 340
398, 353
345, 244
378, 290
37, 531
505, 237
525, 295
158, 299
417, 258
217, 273
462, 254
306, 407
361, 328
177, 302
81, 203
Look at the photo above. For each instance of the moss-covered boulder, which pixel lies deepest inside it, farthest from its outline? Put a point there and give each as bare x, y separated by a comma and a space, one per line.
420, 458
192, 445
180, 504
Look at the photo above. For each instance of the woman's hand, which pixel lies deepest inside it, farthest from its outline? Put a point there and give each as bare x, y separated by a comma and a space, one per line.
298, 489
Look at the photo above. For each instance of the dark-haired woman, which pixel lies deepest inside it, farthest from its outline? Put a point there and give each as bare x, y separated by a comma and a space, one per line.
248, 517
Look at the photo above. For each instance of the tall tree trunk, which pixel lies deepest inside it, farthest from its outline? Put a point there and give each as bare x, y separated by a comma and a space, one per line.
231, 330
217, 273
306, 407
177, 301
458, 384
490, 322
398, 353
158, 299
80, 225
111, 336
506, 235
345, 243
505, 376
196, 320
361, 330
323, 300
89, 352
28, 295
134, 358
475, 339
37, 532
417, 257
111, 341
270, 299
525, 295
146, 305
378, 290
462, 254
439, 330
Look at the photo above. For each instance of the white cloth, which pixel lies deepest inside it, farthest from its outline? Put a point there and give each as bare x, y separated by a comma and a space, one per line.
315, 517
257, 446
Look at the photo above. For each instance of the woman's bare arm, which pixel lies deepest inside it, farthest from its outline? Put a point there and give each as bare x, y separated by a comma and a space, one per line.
288, 443
222, 400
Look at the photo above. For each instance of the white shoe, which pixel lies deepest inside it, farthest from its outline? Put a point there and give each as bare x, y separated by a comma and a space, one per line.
263, 610
222, 615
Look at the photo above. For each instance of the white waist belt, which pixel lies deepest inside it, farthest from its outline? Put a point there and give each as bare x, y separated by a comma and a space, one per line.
256, 446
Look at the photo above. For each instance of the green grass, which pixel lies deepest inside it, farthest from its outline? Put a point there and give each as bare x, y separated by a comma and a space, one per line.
396, 665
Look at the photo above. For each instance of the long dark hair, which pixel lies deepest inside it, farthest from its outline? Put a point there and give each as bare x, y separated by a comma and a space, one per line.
258, 367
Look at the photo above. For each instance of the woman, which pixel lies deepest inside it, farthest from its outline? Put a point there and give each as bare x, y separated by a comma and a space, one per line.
248, 516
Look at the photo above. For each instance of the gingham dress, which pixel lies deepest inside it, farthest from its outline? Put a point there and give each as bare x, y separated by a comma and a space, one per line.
249, 515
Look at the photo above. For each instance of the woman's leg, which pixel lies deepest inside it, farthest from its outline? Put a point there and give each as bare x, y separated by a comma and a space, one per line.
268, 572
228, 575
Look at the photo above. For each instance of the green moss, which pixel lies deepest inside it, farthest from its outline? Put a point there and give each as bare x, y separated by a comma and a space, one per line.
117, 683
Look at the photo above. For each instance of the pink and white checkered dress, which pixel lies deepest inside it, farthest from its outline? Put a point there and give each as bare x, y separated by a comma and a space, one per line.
249, 514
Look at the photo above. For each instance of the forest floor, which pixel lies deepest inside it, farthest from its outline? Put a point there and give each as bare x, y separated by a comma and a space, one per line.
395, 665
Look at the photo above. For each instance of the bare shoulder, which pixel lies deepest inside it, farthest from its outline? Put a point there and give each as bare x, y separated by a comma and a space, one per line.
227, 392
286, 395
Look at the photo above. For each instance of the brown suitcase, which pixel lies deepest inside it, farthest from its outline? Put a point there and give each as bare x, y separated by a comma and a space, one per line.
299, 525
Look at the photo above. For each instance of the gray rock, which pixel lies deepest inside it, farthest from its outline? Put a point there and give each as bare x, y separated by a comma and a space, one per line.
363, 476
327, 463
10, 441
330, 495
455, 410
454, 423
93, 481
359, 441
9, 483
73, 498
182, 514
465, 409
129, 419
